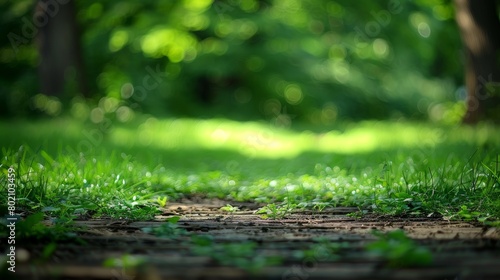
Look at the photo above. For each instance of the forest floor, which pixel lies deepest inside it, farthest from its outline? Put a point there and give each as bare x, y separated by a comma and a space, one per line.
242, 245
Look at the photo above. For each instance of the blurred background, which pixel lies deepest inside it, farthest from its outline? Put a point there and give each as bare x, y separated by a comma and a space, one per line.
316, 62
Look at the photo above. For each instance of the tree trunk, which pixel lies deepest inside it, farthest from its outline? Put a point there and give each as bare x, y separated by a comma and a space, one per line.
480, 30
61, 67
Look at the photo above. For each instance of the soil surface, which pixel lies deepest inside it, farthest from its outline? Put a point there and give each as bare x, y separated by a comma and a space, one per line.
299, 241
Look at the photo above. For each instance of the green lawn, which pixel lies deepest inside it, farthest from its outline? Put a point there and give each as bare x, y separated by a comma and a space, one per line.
65, 168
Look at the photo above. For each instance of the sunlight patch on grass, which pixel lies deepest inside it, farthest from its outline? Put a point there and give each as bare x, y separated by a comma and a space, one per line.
251, 139
371, 136
262, 140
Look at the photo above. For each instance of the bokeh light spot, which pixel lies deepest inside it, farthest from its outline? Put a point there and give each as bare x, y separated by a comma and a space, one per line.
424, 29
175, 54
53, 107
419, 21
97, 115
39, 101
380, 47
293, 94
197, 5
127, 90
108, 104
340, 72
245, 29
329, 113
80, 110
224, 28
249, 6
48, 104
196, 21
118, 40
272, 107
168, 42
213, 45
337, 52
124, 114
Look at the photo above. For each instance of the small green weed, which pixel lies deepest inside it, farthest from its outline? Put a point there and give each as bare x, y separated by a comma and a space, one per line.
125, 261
273, 211
169, 229
323, 250
162, 201
229, 208
358, 214
399, 251
242, 254
126, 266
32, 227
48, 251
129, 210
320, 206
467, 214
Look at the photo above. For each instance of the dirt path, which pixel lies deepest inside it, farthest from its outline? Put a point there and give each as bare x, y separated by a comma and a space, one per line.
302, 241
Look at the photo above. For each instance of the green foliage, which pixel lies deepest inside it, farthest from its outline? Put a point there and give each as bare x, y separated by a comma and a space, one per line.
34, 227
241, 254
399, 251
125, 261
129, 210
68, 194
202, 244
421, 170
323, 250
162, 201
169, 229
273, 211
467, 215
315, 61
229, 208
48, 250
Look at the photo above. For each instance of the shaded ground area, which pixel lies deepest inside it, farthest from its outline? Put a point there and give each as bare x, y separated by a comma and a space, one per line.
309, 245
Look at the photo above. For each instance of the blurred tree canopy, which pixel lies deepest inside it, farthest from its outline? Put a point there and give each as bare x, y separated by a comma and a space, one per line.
316, 61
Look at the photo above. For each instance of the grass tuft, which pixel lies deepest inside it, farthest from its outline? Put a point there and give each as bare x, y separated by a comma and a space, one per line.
133, 170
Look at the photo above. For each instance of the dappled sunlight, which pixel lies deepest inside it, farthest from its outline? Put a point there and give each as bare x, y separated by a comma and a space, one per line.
250, 139
160, 43
262, 140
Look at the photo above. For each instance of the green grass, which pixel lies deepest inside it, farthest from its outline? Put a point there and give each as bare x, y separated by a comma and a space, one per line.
66, 169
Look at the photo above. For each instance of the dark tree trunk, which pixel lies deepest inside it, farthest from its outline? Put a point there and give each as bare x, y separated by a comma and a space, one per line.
61, 67
480, 30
